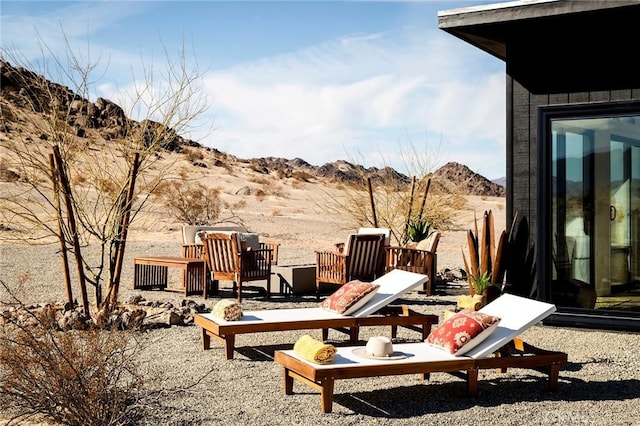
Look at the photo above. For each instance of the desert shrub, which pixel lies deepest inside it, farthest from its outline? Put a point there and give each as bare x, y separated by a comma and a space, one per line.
193, 155
71, 378
296, 184
302, 175
261, 180
395, 201
260, 194
7, 175
191, 203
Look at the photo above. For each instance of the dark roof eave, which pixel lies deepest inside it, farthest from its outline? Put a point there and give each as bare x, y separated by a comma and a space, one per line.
487, 27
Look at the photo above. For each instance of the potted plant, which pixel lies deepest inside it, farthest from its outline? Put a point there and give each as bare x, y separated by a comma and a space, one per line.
480, 282
485, 267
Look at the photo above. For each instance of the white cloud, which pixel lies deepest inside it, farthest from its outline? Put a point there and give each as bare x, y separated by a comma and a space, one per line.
366, 95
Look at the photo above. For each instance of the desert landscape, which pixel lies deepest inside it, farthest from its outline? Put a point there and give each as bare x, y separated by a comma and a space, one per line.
202, 388
599, 385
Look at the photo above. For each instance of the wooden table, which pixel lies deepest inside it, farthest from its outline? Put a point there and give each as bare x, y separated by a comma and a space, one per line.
152, 273
296, 279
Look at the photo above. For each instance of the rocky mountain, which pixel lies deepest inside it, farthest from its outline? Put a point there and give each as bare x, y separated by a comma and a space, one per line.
25, 91
454, 177
502, 181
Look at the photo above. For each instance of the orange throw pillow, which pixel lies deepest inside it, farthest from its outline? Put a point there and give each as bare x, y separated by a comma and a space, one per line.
463, 331
350, 297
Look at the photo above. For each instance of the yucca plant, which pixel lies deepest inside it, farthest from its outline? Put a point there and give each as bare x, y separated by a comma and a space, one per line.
485, 260
418, 230
480, 283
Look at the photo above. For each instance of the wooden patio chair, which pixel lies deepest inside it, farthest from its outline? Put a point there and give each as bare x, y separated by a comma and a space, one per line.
228, 262
359, 260
192, 247
421, 259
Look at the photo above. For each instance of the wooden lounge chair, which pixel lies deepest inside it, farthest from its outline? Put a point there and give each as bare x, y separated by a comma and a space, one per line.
374, 313
501, 350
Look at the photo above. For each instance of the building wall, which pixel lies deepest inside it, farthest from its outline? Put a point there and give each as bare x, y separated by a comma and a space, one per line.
522, 142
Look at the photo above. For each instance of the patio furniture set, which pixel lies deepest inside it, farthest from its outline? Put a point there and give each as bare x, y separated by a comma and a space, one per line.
230, 253
222, 255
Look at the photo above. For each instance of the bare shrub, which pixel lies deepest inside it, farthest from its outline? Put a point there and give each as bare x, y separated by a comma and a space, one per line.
261, 180
260, 194
396, 203
282, 173
302, 175
191, 203
72, 378
7, 175
269, 187
296, 184
116, 181
193, 155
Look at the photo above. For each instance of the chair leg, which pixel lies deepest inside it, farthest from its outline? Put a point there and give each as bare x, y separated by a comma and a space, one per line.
269, 287
215, 287
237, 291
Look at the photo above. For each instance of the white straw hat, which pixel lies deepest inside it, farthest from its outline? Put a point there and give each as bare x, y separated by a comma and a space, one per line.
378, 347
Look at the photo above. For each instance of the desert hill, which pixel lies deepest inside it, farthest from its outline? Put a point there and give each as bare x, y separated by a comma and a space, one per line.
23, 91
282, 199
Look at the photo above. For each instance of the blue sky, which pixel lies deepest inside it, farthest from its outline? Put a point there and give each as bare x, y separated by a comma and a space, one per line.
368, 82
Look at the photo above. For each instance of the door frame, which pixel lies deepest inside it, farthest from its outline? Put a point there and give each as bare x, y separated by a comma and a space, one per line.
544, 242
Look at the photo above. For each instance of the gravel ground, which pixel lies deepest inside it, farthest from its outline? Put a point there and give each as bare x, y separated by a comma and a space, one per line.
600, 385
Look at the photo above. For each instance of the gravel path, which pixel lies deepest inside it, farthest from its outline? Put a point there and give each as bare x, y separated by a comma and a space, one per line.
600, 385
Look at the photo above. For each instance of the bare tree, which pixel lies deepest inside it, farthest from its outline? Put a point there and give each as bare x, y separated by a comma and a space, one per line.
102, 165
393, 200
193, 203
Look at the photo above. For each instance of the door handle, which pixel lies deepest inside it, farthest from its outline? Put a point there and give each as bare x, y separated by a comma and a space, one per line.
612, 212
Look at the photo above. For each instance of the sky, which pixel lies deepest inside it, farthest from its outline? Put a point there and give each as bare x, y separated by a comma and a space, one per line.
371, 82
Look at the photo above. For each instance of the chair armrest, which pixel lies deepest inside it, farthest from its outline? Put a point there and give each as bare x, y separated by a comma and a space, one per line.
331, 266
255, 260
193, 251
407, 257
329, 257
274, 247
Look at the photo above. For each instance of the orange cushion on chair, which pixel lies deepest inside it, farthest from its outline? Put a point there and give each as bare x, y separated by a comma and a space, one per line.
463, 331
350, 297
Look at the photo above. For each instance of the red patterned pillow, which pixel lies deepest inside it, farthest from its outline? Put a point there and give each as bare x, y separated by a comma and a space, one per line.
350, 297
463, 331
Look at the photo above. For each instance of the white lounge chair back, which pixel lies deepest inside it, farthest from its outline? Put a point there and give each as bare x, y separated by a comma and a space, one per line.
189, 232
392, 286
517, 314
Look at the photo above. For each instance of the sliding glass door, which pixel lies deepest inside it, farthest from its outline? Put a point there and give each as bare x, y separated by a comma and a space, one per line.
595, 212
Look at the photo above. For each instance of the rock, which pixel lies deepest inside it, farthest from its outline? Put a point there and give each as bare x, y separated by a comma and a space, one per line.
136, 299
245, 190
